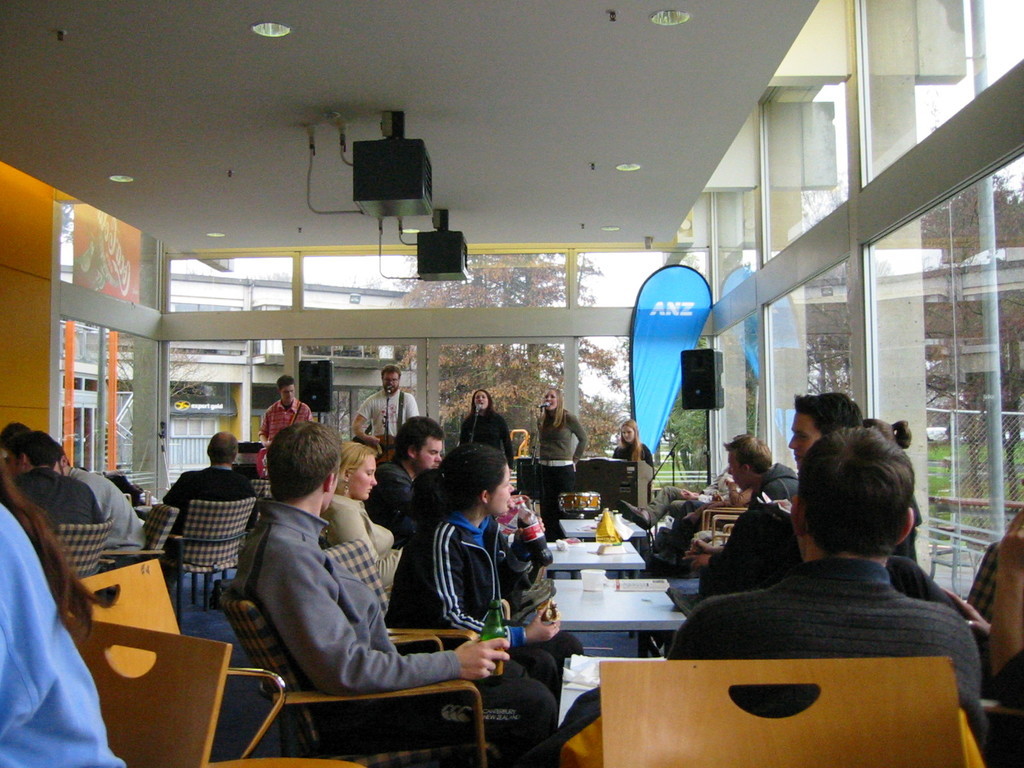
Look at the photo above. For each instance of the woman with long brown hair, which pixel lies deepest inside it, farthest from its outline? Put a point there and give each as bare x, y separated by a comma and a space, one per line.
50, 702
557, 458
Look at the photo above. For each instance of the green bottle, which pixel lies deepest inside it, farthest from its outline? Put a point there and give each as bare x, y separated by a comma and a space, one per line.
494, 626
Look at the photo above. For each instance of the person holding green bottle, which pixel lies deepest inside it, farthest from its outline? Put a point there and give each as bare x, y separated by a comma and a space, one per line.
459, 561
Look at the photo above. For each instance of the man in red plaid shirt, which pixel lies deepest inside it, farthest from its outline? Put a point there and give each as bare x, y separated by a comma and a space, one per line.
285, 412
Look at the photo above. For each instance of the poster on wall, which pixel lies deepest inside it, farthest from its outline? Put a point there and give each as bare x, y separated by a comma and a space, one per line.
107, 254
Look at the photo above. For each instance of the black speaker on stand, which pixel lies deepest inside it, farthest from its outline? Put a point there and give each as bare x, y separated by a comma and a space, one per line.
316, 380
702, 380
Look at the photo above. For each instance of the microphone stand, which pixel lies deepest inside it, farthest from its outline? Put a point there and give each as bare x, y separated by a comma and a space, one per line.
387, 401
472, 432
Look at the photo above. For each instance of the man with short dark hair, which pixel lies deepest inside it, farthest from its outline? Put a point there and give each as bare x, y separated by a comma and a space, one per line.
218, 482
762, 549
35, 458
852, 508
332, 625
380, 417
418, 447
285, 412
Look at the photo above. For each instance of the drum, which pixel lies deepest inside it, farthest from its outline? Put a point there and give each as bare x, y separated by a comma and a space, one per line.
580, 504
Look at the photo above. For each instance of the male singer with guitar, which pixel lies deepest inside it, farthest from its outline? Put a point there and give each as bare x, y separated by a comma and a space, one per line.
382, 414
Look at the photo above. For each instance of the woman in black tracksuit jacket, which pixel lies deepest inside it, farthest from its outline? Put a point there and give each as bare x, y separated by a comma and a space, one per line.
459, 561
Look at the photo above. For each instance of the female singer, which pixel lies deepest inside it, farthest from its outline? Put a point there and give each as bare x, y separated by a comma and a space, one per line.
347, 518
630, 448
557, 459
485, 425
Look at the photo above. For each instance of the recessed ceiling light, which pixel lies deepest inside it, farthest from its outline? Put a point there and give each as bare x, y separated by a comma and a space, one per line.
669, 18
610, 228
270, 29
122, 179
215, 234
628, 167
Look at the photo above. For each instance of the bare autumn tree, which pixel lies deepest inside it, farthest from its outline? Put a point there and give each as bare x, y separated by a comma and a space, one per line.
515, 374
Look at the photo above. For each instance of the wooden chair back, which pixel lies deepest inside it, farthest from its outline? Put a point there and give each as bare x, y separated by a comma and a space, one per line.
135, 595
83, 544
166, 716
869, 712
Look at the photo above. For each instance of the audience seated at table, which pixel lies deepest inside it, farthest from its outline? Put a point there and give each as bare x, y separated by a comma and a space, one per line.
1006, 649
851, 510
459, 560
50, 711
332, 625
218, 482
346, 516
765, 548
35, 461
418, 447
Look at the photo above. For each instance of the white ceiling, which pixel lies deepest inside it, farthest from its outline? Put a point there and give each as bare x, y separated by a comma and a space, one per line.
514, 99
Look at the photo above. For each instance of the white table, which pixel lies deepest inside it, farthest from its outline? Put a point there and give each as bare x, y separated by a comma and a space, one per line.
611, 611
587, 529
580, 556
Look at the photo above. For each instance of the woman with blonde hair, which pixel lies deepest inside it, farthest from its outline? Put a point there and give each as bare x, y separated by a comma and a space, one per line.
630, 448
346, 516
556, 428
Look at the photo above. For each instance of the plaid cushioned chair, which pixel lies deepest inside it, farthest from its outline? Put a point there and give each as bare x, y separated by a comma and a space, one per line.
83, 544
209, 542
155, 530
262, 487
298, 729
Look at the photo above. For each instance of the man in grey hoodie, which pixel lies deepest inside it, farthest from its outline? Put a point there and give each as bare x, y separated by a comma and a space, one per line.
332, 625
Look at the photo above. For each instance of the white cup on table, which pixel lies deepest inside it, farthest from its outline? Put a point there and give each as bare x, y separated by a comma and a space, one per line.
593, 579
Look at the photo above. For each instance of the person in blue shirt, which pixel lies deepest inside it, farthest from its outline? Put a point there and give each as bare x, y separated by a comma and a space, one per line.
49, 710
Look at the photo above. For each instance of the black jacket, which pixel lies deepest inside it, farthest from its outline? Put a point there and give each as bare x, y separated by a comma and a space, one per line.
490, 429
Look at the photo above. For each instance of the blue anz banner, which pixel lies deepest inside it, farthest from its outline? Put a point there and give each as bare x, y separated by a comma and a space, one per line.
671, 309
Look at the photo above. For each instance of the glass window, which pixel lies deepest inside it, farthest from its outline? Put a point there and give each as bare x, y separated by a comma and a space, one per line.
230, 284
806, 135
736, 226
927, 59
614, 279
355, 376
108, 401
604, 392
810, 348
741, 367
950, 309
495, 280
106, 255
515, 374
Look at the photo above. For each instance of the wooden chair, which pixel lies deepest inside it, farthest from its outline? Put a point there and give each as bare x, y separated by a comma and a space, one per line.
209, 542
707, 515
868, 712
184, 677
136, 596
83, 543
299, 732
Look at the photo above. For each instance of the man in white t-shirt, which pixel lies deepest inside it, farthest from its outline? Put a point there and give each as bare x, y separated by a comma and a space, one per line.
382, 414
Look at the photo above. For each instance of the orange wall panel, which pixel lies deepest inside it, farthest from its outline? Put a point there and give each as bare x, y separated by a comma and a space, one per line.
26, 236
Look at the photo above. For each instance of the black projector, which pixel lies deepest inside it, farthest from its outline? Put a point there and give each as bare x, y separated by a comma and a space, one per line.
441, 255
391, 177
